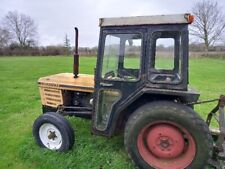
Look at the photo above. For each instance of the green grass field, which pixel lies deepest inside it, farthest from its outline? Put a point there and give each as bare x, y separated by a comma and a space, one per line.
20, 105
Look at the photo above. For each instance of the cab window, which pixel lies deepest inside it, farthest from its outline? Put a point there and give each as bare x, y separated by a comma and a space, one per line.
121, 58
166, 56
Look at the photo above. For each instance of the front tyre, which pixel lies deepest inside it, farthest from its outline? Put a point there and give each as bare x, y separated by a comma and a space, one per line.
53, 131
164, 135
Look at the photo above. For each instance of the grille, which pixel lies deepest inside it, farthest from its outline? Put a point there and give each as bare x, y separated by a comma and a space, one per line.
51, 97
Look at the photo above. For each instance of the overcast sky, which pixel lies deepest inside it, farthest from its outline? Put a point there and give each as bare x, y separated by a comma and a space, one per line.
55, 18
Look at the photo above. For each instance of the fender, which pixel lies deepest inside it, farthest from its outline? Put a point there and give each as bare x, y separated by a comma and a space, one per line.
126, 108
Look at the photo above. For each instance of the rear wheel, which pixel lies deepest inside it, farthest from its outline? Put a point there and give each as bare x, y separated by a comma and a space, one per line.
166, 135
54, 132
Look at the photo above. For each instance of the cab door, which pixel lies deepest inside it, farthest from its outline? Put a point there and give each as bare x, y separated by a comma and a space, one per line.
118, 73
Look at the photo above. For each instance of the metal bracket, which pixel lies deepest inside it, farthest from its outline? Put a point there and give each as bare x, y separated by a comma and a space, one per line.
218, 158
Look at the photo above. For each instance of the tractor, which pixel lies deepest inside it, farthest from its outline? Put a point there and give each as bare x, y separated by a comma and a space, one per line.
136, 92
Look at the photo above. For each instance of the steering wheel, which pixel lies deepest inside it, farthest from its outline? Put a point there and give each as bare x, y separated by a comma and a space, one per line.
109, 75
127, 75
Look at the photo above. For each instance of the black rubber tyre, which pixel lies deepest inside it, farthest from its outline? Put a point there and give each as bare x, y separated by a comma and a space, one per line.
171, 113
58, 124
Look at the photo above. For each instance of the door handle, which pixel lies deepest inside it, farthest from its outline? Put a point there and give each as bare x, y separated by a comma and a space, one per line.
106, 84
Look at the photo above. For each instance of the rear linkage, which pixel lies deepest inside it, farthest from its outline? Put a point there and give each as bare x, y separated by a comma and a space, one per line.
218, 156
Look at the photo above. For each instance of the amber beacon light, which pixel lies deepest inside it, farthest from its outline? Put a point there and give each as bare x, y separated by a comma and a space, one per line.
190, 18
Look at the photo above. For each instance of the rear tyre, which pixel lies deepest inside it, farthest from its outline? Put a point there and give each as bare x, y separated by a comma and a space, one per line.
53, 131
167, 135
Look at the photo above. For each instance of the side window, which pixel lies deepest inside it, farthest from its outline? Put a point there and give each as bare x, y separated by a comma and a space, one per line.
107, 98
166, 56
164, 53
111, 56
121, 58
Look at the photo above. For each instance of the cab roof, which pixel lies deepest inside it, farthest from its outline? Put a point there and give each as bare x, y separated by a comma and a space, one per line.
147, 20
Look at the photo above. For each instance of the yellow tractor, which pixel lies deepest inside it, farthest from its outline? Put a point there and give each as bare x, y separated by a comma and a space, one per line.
133, 92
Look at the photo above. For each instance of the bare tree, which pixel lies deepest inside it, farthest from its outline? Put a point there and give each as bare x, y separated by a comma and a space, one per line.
4, 37
223, 39
209, 22
21, 27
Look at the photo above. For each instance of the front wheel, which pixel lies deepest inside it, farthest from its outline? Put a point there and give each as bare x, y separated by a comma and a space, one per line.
165, 135
53, 131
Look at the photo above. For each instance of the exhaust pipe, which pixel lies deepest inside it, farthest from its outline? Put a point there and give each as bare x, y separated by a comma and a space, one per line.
76, 55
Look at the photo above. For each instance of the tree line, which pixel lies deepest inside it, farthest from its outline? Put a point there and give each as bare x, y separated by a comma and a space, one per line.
19, 34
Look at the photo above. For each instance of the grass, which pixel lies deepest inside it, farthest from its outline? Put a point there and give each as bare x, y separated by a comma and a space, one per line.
20, 105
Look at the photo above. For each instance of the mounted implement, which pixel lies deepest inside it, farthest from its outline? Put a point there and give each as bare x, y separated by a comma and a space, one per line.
218, 157
138, 90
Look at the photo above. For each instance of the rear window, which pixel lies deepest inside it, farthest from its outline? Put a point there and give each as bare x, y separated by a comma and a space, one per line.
166, 56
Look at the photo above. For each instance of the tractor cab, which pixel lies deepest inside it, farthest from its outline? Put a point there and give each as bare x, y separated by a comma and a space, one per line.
140, 56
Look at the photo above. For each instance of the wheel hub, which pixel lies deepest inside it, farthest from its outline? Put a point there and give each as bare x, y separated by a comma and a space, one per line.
52, 135
165, 141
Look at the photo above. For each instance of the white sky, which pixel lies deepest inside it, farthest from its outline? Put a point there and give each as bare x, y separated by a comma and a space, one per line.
55, 18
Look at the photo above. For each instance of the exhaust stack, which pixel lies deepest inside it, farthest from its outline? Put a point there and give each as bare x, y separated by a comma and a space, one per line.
76, 55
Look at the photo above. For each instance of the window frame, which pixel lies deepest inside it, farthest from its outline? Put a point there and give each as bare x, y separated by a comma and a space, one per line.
178, 56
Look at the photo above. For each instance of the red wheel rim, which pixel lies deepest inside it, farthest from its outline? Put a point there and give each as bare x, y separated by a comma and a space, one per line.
166, 145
